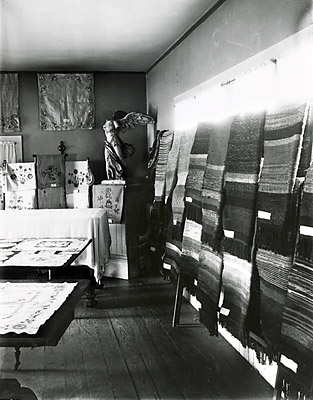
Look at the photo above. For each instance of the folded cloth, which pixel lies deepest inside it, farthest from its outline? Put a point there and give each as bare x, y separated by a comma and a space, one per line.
297, 333
20, 176
276, 223
50, 170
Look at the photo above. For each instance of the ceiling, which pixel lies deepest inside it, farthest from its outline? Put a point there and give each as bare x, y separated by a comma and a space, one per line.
92, 35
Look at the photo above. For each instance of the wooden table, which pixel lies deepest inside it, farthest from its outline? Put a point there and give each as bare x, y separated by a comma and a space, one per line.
52, 330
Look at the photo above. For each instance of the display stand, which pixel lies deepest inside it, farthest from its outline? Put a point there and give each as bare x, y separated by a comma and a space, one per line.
109, 195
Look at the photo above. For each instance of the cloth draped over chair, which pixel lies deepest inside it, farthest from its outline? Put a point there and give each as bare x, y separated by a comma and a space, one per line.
9, 103
66, 101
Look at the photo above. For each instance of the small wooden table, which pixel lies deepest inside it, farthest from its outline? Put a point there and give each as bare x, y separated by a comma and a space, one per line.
52, 330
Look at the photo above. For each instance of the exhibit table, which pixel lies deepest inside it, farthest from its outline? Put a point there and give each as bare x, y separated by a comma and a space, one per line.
91, 223
27, 306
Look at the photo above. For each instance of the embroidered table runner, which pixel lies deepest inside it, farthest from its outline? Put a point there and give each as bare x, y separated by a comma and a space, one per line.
27, 306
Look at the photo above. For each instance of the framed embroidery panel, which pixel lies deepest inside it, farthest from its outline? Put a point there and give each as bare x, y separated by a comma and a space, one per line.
66, 101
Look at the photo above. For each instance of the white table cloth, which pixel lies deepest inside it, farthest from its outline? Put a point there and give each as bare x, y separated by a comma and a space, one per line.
91, 223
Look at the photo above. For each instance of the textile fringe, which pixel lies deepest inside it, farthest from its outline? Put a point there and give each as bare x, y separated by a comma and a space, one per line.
236, 248
275, 239
305, 248
193, 212
205, 320
213, 241
289, 387
235, 331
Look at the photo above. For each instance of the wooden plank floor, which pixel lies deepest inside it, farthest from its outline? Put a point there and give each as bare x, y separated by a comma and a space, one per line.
127, 349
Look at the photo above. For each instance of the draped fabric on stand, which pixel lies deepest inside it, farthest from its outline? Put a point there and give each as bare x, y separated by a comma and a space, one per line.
66, 101
276, 225
191, 243
9, 103
242, 169
210, 259
20, 186
50, 171
297, 334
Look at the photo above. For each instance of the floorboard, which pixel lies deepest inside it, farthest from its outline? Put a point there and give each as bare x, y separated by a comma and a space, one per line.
127, 349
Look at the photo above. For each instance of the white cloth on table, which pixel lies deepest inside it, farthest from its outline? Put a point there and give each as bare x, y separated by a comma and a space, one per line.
91, 223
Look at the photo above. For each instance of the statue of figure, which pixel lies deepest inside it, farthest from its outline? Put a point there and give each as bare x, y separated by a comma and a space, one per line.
115, 150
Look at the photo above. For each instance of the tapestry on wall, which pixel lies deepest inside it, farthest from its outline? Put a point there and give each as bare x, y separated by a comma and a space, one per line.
66, 101
297, 337
242, 168
276, 225
210, 259
9, 103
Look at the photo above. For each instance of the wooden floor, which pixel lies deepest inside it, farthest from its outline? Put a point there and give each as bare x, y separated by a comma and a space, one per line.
127, 349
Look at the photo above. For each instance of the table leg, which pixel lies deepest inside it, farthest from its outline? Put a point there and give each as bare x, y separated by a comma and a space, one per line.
91, 292
17, 357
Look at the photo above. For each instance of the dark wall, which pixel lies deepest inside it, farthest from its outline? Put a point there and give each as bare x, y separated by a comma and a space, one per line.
113, 91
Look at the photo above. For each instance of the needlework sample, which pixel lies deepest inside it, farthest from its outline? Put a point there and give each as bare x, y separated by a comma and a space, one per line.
9, 103
66, 101
27, 306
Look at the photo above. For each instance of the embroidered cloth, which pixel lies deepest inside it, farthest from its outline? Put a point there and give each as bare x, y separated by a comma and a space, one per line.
283, 133
50, 170
78, 178
21, 200
20, 176
66, 101
9, 103
110, 196
25, 307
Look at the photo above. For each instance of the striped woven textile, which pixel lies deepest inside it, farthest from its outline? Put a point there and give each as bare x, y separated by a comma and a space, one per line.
210, 260
171, 167
283, 134
209, 286
197, 164
178, 199
191, 244
242, 169
297, 333
166, 141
